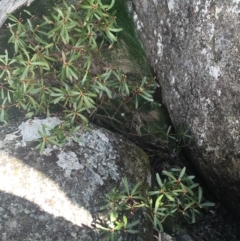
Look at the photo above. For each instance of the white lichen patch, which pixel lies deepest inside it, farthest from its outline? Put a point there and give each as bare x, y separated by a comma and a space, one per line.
172, 80
11, 136
214, 71
218, 11
145, 5
197, 5
101, 156
219, 92
129, 5
234, 9
213, 149
205, 9
29, 129
171, 5
137, 21
102, 136
23, 181
68, 161
159, 46
232, 119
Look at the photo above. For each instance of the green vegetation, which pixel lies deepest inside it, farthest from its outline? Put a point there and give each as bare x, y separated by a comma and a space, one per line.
57, 67
175, 196
78, 64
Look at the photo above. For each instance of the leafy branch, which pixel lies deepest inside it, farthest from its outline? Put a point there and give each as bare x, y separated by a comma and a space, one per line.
176, 195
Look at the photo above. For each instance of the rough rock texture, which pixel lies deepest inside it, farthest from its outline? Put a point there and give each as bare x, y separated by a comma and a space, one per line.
9, 6
194, 48
165, 237
58, 195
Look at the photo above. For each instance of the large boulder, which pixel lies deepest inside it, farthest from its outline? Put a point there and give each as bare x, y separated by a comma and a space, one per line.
7, 6
58, 195
194, 48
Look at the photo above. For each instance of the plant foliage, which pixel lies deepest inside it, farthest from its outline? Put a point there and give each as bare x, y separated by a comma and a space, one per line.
56, 67
176, 195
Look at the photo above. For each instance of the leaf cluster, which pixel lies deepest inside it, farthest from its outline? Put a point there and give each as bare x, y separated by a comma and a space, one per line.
178, 139
175, 194
119, 204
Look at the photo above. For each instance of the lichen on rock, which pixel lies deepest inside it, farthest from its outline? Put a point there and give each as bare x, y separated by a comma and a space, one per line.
59, 193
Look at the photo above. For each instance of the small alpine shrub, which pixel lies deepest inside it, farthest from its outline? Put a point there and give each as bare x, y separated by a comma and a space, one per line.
56, 67
175, 194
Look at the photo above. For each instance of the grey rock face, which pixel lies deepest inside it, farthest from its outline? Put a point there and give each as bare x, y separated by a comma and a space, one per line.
194, 48
7, 6
57, 196
166, 237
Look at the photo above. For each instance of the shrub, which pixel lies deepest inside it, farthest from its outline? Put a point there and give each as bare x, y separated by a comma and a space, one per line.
176, 195
57, 68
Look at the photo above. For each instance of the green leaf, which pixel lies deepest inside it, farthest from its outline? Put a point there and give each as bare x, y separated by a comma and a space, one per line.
109, 93
89, 103
133, 224
111, 5
169, 197
187, 189
182, 173
84, 78
72, 73
132, 231
207, 204
135, 188
193, 217
189, 205
159, 180
169, 174
146, 97
115, 29
2, 115
125, 221
9, 97
126, 185
151, 193
64, 35
83, 118
189, 178
113, 216
102, 227
158, 203
157, 224
199, 194
194, 185
136, 102
2, 93
42, 147
169, 129
29, 114
12, 18
111, 37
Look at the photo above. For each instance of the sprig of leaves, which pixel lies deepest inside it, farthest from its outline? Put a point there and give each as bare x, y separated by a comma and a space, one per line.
175, 194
